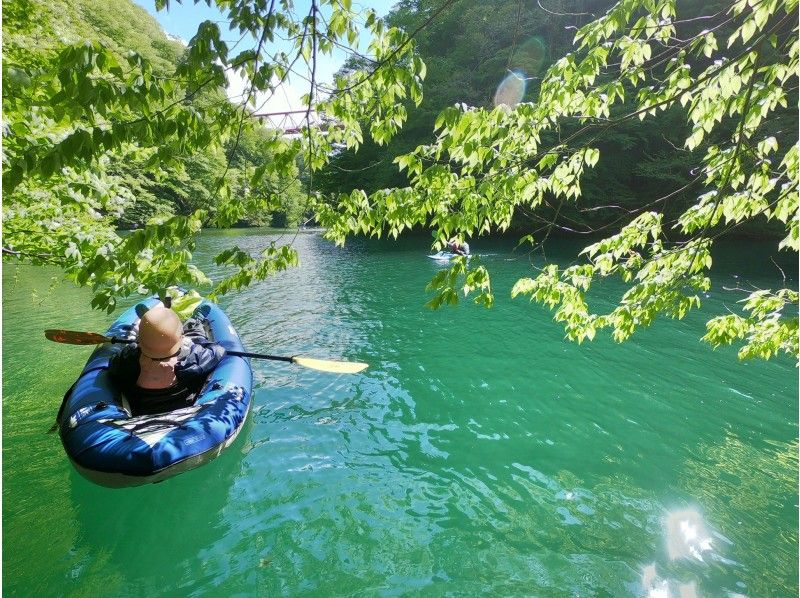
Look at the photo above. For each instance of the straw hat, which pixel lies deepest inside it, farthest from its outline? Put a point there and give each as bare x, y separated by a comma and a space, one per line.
160, 333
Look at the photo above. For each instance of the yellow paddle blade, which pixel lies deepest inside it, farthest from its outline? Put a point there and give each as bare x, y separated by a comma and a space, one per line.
336, 367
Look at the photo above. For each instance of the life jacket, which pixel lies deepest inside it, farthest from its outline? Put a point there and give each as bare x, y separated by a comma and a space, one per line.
194, 363
148, 401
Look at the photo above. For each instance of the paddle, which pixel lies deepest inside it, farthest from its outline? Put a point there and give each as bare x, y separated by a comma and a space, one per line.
72, 337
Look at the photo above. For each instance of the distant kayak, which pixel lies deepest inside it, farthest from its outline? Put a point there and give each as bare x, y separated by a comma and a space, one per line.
445, 256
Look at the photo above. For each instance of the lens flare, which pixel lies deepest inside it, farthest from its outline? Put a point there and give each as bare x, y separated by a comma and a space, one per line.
526, 61
511, 90
529, 57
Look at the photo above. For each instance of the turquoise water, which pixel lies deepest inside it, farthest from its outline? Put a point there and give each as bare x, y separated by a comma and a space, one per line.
480, 454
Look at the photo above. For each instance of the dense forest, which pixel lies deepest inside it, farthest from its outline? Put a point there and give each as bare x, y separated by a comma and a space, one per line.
192, 181
473, 46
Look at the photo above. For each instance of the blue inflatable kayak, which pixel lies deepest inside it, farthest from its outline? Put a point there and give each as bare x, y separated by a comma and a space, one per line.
110, 447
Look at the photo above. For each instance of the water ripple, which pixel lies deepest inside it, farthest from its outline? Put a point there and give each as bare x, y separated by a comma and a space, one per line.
479, 453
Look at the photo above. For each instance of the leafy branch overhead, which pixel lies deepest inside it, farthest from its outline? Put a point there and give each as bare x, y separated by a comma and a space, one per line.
636, 62
91, 132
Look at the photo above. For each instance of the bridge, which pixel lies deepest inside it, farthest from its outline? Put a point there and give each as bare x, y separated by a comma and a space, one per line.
293, 122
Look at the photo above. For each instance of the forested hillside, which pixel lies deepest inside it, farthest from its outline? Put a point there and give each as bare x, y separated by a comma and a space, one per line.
473, 46
34, 31
469, 48
34, 28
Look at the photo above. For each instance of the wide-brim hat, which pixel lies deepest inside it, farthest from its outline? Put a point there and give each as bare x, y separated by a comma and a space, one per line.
160, 333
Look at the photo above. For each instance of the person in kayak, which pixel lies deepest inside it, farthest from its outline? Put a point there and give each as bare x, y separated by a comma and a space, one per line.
458, 248
167, 366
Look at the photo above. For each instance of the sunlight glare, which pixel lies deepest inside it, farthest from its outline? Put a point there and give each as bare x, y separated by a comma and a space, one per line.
511, 90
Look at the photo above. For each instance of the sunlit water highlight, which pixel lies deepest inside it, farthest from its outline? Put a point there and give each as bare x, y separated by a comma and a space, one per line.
480, 454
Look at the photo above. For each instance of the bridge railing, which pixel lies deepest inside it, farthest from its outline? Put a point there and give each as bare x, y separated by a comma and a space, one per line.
293, 122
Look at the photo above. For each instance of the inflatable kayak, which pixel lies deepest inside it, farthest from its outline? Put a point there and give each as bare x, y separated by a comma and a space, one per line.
445, 256
112, 448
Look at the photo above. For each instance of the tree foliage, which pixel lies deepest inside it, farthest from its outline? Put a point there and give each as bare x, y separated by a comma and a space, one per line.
471, 51
636, 62
91, 130
78, 116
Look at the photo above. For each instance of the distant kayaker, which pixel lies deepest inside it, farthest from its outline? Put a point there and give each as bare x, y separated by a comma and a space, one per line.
458, 248
167, 366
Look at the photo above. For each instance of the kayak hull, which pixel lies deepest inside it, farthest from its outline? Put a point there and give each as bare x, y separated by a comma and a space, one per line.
445, 256
110, 447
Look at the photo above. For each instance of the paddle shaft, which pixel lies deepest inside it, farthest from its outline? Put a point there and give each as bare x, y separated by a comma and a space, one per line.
260, 356
72, 337
112, 339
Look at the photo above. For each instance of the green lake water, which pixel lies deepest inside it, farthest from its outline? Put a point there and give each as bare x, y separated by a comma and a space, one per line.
480, 454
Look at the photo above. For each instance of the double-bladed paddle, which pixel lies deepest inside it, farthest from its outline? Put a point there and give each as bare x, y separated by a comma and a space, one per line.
72, 337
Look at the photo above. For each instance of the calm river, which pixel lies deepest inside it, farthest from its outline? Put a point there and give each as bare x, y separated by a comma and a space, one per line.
480, 454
